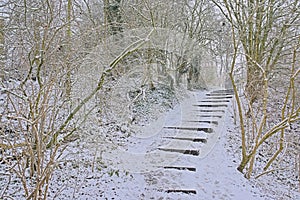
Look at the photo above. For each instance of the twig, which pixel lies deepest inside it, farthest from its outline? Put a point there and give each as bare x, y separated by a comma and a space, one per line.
272, 170
6, 186
130, 49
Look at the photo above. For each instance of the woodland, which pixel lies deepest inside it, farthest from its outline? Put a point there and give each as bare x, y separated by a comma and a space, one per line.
67, 64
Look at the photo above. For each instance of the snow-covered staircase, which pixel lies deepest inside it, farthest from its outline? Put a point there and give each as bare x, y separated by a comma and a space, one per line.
169, 158
192, 140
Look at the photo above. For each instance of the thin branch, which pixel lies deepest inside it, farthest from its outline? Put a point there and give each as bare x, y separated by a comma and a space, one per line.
130, 49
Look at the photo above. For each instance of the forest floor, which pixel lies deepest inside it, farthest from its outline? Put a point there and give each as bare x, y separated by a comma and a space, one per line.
120, 162
131, 167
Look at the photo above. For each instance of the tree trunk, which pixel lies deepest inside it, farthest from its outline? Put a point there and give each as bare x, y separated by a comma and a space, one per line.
68, 60
254, 82
2, 50
112, 16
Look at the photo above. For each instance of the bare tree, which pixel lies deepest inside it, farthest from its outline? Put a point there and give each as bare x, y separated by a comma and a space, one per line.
112, 16
265, 33
263, 28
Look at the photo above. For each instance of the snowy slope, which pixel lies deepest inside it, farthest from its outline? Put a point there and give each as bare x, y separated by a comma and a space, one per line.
211, 175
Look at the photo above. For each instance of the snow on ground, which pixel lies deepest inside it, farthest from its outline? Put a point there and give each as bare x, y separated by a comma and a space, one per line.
216, 176
100, 166
270, 187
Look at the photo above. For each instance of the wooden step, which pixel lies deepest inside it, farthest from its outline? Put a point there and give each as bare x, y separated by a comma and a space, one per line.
193, 152
204, 121
219, 97
185, 191
210, 116
210, 105
203, 140
204, 129
210, 111
192, 169
215, 101
219, 94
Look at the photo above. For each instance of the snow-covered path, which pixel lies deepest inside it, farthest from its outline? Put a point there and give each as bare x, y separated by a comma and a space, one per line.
182, 156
